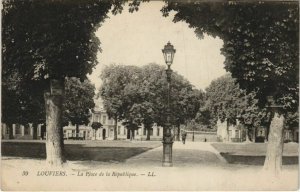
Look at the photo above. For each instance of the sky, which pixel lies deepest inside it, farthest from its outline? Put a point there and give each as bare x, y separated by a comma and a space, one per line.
138, 38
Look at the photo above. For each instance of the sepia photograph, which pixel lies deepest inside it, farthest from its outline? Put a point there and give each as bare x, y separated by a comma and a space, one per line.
141, 95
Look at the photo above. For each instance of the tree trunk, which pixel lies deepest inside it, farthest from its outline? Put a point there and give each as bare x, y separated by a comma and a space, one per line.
267, 132
227, 129
10, 129
77, 131
34, 130
115, 129
148, 132
273, 161
292, 135
54, 139
247, 135
178, 132
127, 133
253, 134
131, 134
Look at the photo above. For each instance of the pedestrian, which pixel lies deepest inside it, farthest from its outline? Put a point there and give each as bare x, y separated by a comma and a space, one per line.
183, 136
205, 139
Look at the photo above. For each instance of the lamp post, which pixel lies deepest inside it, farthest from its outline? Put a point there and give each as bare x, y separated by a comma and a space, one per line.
168, 53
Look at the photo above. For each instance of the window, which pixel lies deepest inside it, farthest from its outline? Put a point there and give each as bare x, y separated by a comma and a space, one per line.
237, 135
157, 133
111, 121
144, 132
104, 119
230, 133
18, 128
125, 131
7, 130
287, 135
119, 130
96, 118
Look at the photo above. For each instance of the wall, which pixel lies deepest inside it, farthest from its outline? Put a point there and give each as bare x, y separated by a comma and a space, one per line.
200, 137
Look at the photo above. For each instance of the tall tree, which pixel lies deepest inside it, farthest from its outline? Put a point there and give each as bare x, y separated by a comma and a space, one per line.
152, 104
19, 105
145, 109
227, 102
223, 99
138, 95
131, 127
261, 50
252, 116
11, 106
186, 103
41, 39
96, 126
79, 102
48, 41
117, 82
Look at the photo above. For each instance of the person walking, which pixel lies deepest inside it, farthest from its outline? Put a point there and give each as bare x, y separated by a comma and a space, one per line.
183, 137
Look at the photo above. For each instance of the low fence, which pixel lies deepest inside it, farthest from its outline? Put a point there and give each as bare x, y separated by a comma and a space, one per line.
201, 136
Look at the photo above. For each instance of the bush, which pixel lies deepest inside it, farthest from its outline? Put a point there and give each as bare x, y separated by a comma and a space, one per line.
96, 125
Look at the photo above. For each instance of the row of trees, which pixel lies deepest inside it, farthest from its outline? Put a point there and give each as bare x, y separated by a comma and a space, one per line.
224, 100
24, 105
43, 42
138, 95
261, 51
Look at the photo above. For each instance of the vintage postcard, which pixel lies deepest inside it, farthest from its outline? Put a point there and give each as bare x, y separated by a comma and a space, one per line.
101, 95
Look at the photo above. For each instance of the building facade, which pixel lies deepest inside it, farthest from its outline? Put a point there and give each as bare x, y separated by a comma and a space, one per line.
234, 134
85, 131
22, 132
238, 134
107, 130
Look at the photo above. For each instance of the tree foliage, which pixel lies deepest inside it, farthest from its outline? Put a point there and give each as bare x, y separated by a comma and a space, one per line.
78, 102
116, 81
21, 105
54, 39
46, 41
260, 43
227, 102
139, 95
224, 99
96, 125
37, 28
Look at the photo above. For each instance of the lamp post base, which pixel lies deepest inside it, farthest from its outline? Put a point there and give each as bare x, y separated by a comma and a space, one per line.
167, 154
167, 164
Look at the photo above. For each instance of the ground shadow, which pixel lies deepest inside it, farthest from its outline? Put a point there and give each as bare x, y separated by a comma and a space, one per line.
73, 152
256, 160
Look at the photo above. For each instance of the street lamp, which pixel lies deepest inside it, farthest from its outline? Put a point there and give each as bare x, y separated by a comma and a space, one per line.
168, 53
